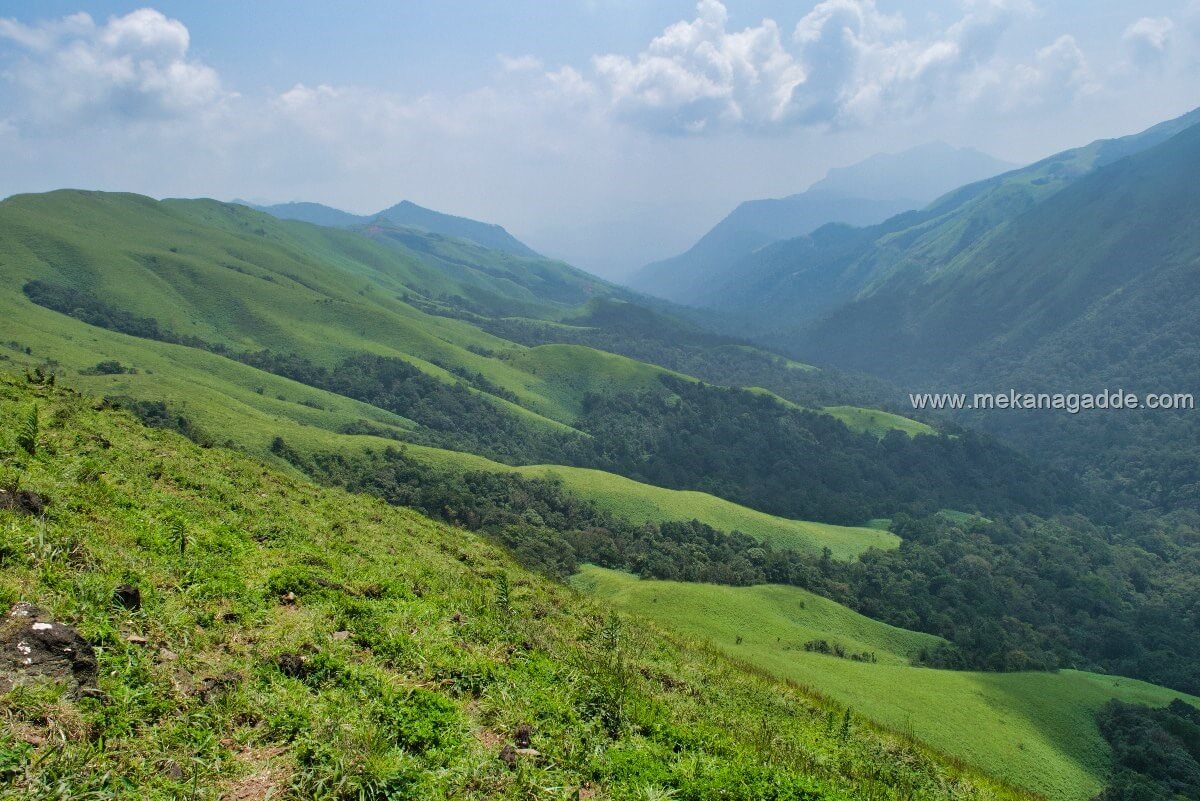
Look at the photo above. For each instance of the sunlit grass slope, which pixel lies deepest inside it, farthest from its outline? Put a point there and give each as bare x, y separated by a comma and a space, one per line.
1036, 730
645, 502
222, 398
876, 421
640, 502
239, 278
294, 642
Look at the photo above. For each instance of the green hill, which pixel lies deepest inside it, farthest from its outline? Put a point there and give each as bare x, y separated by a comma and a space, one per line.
404, 325
1036, 730
646, 502
408, 214
245, 634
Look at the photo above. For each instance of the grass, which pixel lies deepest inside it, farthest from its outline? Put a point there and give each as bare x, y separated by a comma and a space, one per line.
645, 502
640, 502
876, 421
222, 398
310, 644
1035, 730
563, 374
865, 421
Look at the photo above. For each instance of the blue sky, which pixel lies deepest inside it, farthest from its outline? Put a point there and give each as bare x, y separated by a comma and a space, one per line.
606, 130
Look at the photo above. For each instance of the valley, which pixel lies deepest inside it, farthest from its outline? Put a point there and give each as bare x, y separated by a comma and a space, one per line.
301, 503
1033, 729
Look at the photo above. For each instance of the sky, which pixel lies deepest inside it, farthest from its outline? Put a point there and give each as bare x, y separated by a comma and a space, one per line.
608, 132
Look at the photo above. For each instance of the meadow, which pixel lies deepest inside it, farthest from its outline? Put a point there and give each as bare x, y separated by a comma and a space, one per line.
1033, 729
295, 642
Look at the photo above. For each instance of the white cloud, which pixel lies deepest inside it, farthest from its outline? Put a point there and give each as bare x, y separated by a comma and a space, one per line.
698, 75
1148, 40
525, 63
846, 64
74, 71
1058, 74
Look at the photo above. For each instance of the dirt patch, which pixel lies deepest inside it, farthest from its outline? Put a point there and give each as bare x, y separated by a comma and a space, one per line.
34, 647
25, 501
268, 777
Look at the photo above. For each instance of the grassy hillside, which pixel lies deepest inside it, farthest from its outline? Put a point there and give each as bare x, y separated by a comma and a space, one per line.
391, 325
221, 397
1036, 730
876, 421
641, 503
301, 643
645, 502
232, 277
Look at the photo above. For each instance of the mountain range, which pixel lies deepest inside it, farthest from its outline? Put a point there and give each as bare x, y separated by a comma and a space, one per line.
1073, 274
404, 213
1014, 593
861, 194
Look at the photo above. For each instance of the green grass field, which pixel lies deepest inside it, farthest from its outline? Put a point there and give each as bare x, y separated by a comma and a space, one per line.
221, 396
644, 502
640, 502
1035, 730
298, 642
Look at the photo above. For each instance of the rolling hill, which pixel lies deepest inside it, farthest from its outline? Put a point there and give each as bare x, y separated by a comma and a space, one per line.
235, 631
1073, 275
405, 326
391, 361
1036, 730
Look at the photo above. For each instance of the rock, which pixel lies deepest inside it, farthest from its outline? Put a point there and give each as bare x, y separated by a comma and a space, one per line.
528, 752
340, 635
137, 639
128, 596
32, 647
167, 655
26, 501
23, 609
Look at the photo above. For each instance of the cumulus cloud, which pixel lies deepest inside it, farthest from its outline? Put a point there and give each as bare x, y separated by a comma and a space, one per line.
1148, 40
75, 71
846, 63
698, 75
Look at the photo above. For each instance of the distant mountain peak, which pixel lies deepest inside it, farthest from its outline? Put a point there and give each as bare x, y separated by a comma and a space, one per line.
919, 173
406, 213
860, 194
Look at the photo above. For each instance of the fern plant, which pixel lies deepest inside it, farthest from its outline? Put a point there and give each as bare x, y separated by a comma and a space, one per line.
27, 433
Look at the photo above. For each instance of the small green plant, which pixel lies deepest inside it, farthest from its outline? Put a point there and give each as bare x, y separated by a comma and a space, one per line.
503, 594
178, 530
27, 434
612, 674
